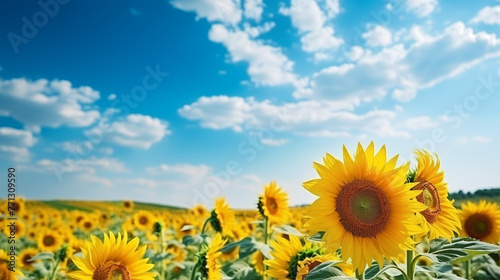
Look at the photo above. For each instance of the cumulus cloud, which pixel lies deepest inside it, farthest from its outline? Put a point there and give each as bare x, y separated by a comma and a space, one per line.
488, 15
421, 8
310, 21
378, 36
15, 143
253, 9
402, 70
135, 130
304, 117
267, 65
48, 103
225, 11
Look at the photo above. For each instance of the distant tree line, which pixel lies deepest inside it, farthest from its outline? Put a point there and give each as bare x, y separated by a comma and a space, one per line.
479, 193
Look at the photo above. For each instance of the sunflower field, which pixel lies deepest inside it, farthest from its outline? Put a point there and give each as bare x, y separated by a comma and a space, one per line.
372, 219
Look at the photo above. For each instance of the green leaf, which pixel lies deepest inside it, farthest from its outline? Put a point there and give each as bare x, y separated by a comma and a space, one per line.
317, 237
286, 229
231, 246
43, 256
459, 250
327, 271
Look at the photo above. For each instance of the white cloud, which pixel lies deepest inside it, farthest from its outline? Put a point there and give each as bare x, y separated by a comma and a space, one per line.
309, 19
43, 103
112, 97
188, 170
465, 141
488, 15
225, 11
106, 150
253, 9
17, 137
136, 130
267, 64
274, 142
320, 40
421, 8
378, 36
332, 7
256, 31
16, 154
406, 70
15, 143
305, 117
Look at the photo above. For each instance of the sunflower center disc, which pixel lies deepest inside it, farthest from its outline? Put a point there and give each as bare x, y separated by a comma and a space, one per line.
111, 271
143, 220
363, 208
48, 240
429, 197
272, 205
478, 226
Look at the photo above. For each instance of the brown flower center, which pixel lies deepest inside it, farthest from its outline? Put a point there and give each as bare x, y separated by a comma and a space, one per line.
272, 206
87, 225
478, 226
48, 240
143, 220
429, 197
363, 208
310, 267
26, 259
111, 271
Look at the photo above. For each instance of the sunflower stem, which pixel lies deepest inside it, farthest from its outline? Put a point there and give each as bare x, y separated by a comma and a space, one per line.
204, 226
266, 238
410, 264
360, 276
193, 274
162, 262
468, 272
266, 225
54, 271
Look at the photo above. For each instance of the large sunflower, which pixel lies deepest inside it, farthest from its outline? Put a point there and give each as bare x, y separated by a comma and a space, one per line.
440, 219
292, 260
273, 204
222, 217
208, 261
481, 221
364, 206
115, 258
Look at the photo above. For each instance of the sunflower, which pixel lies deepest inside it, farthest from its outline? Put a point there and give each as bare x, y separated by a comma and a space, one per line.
292, 260
440, 219
25, 256
481, 221
208, 260
199, 210
49, 241
273, 204
128, 205
222, 217
364, 206
144, 220
113, 258
87, 224
5, 273
19, 230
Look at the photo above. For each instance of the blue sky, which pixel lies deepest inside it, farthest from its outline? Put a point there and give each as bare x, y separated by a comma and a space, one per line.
180, 101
